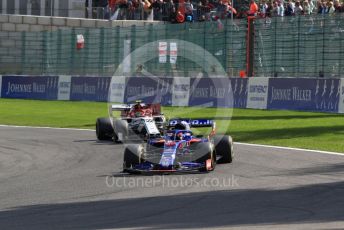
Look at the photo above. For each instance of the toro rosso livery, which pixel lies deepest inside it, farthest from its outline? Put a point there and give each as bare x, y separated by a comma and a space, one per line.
137, 122
179, 150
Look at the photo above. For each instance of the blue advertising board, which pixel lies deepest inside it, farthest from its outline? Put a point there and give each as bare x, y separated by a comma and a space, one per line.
240, 89
211, 92
304, 94
142, 88
30, 87
89, 88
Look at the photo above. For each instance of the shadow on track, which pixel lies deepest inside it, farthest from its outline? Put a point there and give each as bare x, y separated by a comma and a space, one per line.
305, 204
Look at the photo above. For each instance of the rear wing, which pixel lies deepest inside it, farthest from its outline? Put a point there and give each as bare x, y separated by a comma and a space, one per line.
192, 122
120, 107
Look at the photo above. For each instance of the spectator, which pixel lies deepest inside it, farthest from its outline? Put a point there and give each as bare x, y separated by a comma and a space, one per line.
168, 10
330, 8
148, 12
312, 4
263, 8
123, 9
221, 10
338, 6
157, 10
253, 9
112, 5
290, 8
306, 8
321, 7
280, 9
298, 8
188, 10
231, 10
208, 7
173, 15
112, 9
274, 10
86, 9
137, 9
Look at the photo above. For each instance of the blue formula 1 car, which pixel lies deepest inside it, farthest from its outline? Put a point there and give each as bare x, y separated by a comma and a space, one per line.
178, 150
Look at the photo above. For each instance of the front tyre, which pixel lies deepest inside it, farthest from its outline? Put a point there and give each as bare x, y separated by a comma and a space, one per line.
205, 155
132, 156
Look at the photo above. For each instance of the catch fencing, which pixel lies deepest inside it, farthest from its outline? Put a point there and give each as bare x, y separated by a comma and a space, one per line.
295, 46
303, 46
55, 52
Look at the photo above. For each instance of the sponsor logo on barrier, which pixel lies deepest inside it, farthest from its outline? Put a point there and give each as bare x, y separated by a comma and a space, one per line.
117, 87
257, 93
141, 88
304, 94
240, 91
341, 93
211, 92
90, 88
25, 88
64, 88
181, 91
29, 87
293, 94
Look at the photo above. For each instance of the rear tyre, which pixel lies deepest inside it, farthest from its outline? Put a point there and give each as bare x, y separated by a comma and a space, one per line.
104, 129
132, 156
224, 148
205, 152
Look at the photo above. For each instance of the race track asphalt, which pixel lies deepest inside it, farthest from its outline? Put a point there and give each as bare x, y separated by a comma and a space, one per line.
66, 179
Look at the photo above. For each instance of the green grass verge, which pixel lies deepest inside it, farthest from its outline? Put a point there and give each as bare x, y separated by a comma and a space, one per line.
320, 131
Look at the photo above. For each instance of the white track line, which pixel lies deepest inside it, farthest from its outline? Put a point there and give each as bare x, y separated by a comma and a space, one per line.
38, 127
239, 143
289, 148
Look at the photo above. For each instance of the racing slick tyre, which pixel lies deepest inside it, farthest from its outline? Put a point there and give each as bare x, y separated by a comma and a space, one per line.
132, 156
121, 130
206, 155
224, 148
104, 129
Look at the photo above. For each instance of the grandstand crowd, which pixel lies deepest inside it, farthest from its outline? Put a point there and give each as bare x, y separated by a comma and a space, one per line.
203, 10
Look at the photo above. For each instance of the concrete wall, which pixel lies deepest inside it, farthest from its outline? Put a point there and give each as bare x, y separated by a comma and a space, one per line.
19, 23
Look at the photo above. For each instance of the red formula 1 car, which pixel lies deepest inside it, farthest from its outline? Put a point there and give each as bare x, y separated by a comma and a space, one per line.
137, 121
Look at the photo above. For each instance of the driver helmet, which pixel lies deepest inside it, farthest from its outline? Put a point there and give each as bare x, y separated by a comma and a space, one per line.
182, 126
179, 136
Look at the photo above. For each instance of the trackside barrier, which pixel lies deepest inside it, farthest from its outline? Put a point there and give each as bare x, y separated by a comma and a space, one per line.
30, 87
306, 94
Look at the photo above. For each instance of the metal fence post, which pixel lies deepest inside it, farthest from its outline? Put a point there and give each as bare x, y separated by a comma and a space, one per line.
133, 46
101, 52
298, 45
117, 47
45, 52
23, 52
59, 51
275, 48
87, 52
72, 47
